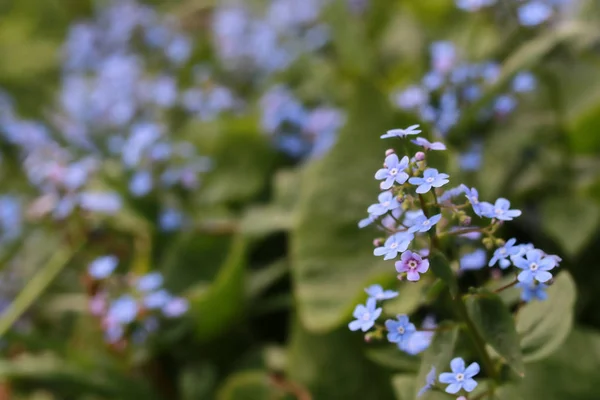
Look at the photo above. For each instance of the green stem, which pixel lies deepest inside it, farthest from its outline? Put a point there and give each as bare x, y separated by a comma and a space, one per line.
35, 287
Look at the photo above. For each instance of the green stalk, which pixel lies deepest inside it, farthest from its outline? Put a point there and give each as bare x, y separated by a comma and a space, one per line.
35, 287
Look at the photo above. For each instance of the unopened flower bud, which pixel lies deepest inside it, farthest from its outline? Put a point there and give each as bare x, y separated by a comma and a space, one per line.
389, 152
466, 220
378, 242
496, 274
420, 156
400, 277
368, 338
500, 242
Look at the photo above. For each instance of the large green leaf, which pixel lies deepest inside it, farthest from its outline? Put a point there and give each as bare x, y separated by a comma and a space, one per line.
571, 221
331, 366
441, 268
248, 385
544, 325
496, 325
331, 258
438, 356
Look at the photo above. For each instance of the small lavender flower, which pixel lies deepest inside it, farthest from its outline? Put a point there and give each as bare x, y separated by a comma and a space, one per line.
427, 145
102, 267
473, 5
460, 378
397, 243
534, 13
400, 330
532, 291
123, 310
365, 315
534, 266
431, 178
504, 104
176, 307
108, 203
502, 254
377, 292
393, 171
474, 260
157, 299
429, 382
424, 224
420, 340
524, 82
401, 133
149, 282
500, 210
387, 202
413, 264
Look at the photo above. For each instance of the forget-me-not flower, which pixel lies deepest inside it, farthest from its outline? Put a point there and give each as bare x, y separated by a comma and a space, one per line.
365, 316
532, 291
102, 267
424, 224
149, 282
397, 243
534, 266
460, 378
500, 210
399, 330
429, 382
367, 221
474, 260
427, 145
377, 292
413, 264
502, 254
431, 178
534, 13
387, 202
393, 172
411, 130
176, 307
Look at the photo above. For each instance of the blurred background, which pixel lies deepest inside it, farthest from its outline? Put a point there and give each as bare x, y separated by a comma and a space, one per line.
181, 183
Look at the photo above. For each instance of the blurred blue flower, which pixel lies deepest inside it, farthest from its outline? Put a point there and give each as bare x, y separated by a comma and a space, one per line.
534, 13
377, 292
123, 310
474, 5
474, 260
524, 82
427, 145
429, 382
401, 133
176, 307
103, 202
365, 315
156, 300
149, 282
170, 220
502, 254
532, 291
102, 267
500, 210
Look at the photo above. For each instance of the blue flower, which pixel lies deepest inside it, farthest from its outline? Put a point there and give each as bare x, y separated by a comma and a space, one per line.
149, 282
387, 202
532, 291
367, 221
176, 307
102, 267
473, 261
534, 266
365, 316
157, 299
397, 243
141, 183
399, 330
451, 193
460, 378
393, 171
473, 5
108, 203
500, 210
534, 13
431, 178
377, 292
424, 224
427, 145
502, 254
411, 130
429, 382
504, 104
123, 310
524, 82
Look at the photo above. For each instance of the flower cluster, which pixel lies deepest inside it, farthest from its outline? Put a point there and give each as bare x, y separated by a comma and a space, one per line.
419, 214
297, 130
529, 12
129, 306
451, 83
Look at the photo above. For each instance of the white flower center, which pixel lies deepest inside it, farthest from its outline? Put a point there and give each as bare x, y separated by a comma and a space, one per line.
533, 267
400, 330
385, 204
394, 171
426, 222
366, 316
460, 377
429, 180
499, 211
502, 251
393, 245
412, 264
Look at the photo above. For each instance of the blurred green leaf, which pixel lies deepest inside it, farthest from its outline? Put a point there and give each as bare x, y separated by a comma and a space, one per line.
331, 367
391, 357
545, 325
438, 356
331, 258
248, 385
404, 386
496, 325
571, 221
260, 280
441, 268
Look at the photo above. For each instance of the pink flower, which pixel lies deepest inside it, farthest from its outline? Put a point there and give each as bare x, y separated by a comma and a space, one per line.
413, 264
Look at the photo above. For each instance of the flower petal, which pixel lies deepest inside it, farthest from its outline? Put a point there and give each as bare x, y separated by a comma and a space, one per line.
457, 365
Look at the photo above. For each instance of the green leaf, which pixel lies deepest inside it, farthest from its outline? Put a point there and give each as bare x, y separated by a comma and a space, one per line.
495, 324
441, 268
332, 366
261, 221
571, 221
409, 298
391, 357
545, 325
248, 385
438, 355
331, 258
404, 386
219, 306
260, 280
570, 373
